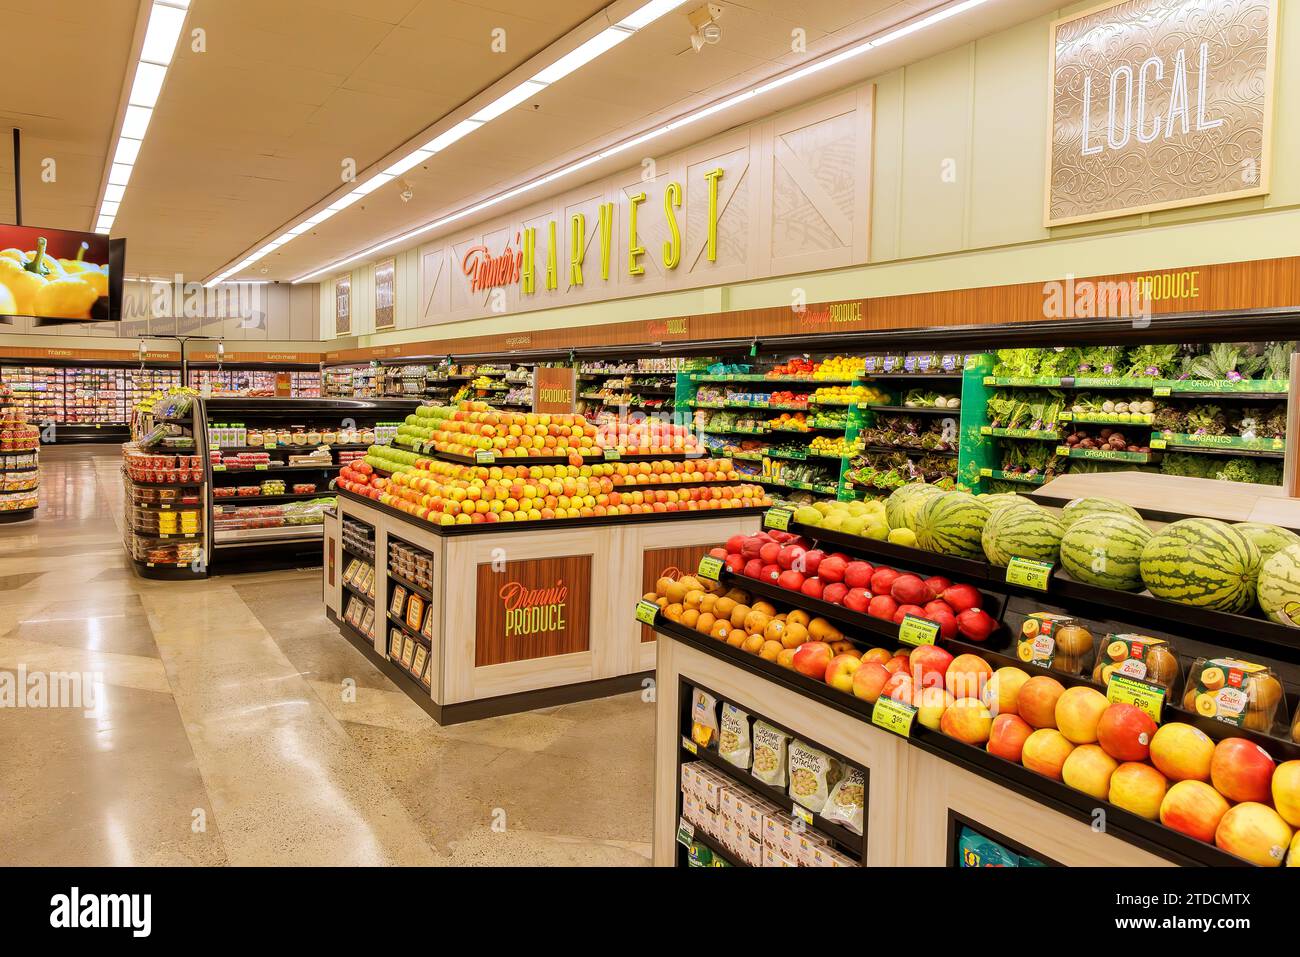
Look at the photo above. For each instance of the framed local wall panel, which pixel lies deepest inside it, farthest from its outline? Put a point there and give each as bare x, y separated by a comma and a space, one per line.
343, 306
385, 280
1158, 104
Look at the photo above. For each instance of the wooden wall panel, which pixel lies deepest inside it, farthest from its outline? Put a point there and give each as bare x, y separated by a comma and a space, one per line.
557, 590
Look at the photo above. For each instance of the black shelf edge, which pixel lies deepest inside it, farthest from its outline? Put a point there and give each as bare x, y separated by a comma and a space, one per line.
254, 499
411, 587
1149, 835
167, 571
406, 629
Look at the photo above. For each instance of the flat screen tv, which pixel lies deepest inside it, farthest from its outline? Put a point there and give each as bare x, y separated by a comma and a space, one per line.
59, 276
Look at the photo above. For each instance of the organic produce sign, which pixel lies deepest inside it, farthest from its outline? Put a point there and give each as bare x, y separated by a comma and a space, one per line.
1029, 574
893, 716
56, 275
917, 631
1142, 694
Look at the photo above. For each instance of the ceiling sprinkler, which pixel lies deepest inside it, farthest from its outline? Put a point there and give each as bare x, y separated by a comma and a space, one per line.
408, 192
704, 22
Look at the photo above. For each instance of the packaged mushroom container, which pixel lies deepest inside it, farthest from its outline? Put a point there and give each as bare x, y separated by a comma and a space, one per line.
1240, 693
1058, 642
1153, 660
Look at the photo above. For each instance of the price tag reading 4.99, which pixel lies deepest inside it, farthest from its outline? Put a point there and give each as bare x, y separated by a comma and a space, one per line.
1028, 573
710, 568
917, 631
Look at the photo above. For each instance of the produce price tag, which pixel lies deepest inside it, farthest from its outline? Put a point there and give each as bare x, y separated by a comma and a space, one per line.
1065, 416
484, 457
777, 518
1160, 391
612, 455
1063, 450
802, 813
1141, 694
1028, 573
646, 611
710, 568
260, 468
893, 716
986, 430
689, 745
917, 631
1158, 444
985, 473
218, 468
685, 832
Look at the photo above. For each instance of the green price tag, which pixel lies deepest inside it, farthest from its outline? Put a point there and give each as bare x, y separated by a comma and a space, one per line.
710, 568
893, 716
986, 430
689, 745
685, 832
777, 518
1063, 450
802, 813
1141, 694
1028, 573
612, 455
1065, 416
484, 457
986, 473
917, 631
218, 468
989, 380
1161, 391
646, 612
260, 468
1158, 444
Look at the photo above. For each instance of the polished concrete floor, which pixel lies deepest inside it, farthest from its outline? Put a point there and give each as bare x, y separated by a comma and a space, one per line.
223, 733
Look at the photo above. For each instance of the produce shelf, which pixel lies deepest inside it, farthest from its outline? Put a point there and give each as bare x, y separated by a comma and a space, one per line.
913, 410
254, 499
871, 549
1013, 476
267, 536
1044, 435
908, 449
1101, 455
411, 587
1224, 444
1102, 418
167, 571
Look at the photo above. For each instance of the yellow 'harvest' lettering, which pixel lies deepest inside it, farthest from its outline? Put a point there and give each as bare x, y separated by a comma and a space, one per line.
672, 245
577, 247
713, 176
634, 249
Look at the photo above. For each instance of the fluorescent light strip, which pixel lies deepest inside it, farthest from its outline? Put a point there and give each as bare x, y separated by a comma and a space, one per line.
601, 43
162, 32
714, 108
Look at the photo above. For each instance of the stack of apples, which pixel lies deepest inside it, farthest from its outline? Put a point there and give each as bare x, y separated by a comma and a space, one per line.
648, 436
446, 493
672, 472
794, 563
472, 427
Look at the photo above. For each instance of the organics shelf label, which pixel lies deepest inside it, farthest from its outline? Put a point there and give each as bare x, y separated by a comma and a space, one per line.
1141, 694
893, 716
986, 430
1158, 443
986, 473
1028, 573
218, 468
1161, 391
690, 745
917, 631
777, 518
710, 568
1063, 450
646, 612
484, 457
612, 455
260, 468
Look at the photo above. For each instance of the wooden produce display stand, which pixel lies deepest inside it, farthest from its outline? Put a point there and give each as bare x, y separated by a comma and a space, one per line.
922, 786
523, 615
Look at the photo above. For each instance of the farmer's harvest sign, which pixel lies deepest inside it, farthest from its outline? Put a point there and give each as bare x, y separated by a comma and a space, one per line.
535, 608
1158, 104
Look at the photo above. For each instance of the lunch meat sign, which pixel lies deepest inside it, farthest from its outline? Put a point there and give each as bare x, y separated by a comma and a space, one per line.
1158, 104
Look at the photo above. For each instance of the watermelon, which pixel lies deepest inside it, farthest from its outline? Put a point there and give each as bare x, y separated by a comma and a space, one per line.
1203, 562
1279, 586
1022, 531
1002, 499
903, 504
1092, 505
1105, 549
1269, 539
952, 524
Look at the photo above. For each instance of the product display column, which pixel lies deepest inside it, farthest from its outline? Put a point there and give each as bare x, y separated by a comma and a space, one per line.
20, 475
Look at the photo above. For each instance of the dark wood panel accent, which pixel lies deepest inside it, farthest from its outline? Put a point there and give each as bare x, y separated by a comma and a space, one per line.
553, 389
535, 608
674, 562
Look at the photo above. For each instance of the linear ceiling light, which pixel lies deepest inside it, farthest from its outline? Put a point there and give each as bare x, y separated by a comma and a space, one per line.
166, 23
784, 79
601, 43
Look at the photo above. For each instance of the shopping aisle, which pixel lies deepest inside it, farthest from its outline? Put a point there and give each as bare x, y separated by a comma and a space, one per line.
234, 725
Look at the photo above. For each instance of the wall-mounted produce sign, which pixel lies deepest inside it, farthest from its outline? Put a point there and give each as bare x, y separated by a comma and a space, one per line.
1158, 104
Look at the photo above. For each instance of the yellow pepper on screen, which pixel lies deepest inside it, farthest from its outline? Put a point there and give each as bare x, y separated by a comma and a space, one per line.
66, 298
94, 278
22, 284
8, 305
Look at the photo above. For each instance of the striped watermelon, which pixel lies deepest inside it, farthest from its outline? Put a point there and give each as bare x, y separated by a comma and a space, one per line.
1000, 500
1092, 505
1105, 549
903, 504
1279, 586
1022, 531
1269, 539
1203, 562
952, 524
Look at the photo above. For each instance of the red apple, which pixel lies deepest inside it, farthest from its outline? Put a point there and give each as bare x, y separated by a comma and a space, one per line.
789, 555
967, 721
898, 687
1242, 771
1125, 732
857, 599
1008, 736
929, 664
769, 552
897, 664
735, 564
1193, 808
811, 659
790, 580
858, 575
881, 580
976, 624
909, 590
947, 623
835, 592
962, 597
812, 587
753, 568
719, 552
832, 569
937, 585
882, 606
751, 547
770, 573
938, 605
812, 561
736, 542
868, 681
904, 610
839, 671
